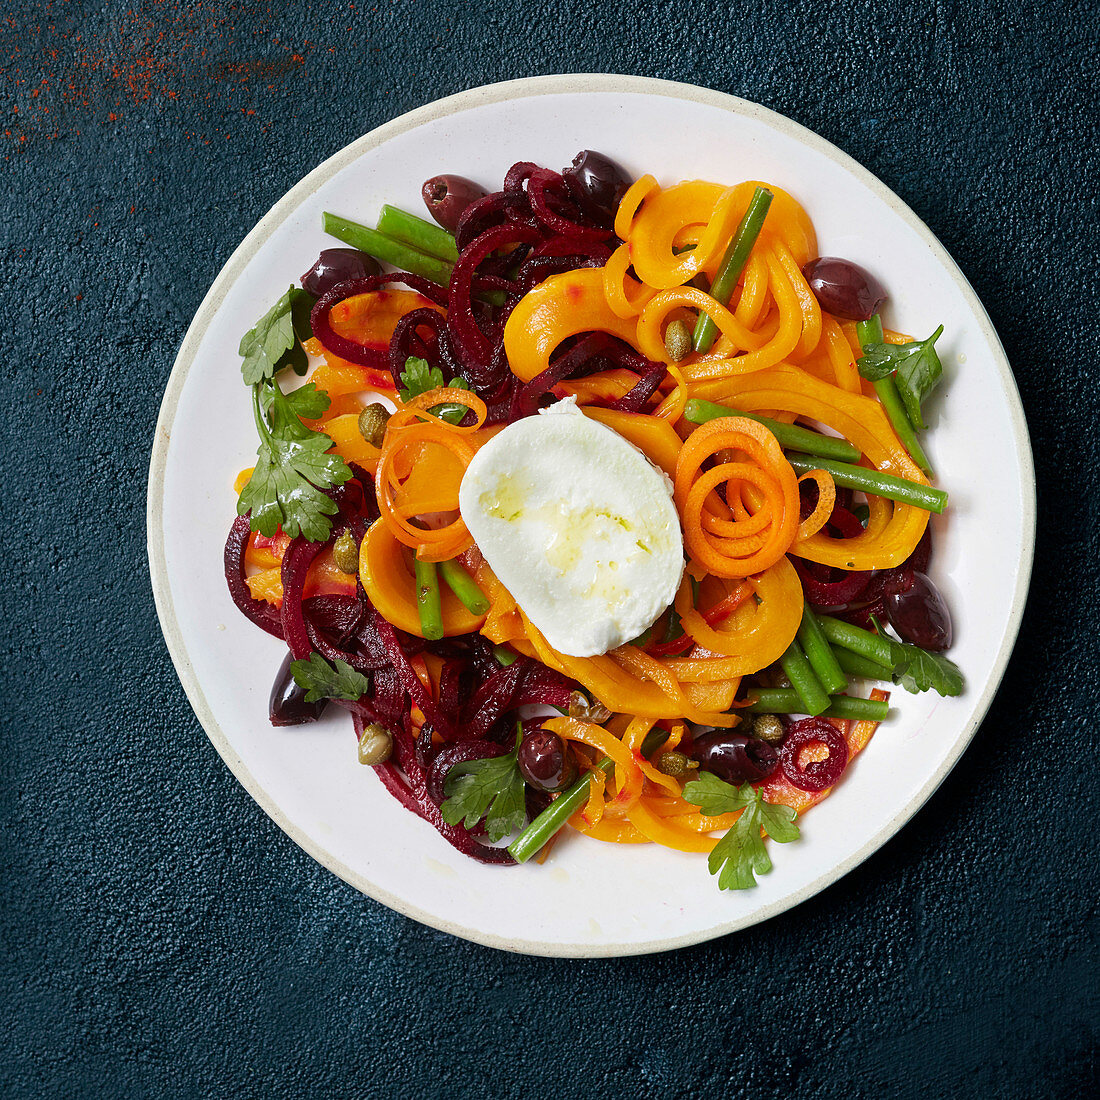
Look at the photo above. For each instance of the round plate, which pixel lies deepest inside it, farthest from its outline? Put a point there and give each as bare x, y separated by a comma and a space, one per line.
588, 898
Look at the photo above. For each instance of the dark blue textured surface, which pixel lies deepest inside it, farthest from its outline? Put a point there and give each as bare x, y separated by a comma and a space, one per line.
160, 935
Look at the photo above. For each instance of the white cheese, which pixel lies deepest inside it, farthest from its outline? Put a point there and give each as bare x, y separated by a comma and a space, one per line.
578, 525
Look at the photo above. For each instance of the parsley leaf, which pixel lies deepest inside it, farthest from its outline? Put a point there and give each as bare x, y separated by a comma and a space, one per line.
293, 466
419, 377
491, 789
741, 855
328, 681
274, 342
918, 670
916, 368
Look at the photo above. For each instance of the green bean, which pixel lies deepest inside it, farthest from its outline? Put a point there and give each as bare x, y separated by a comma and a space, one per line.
463, 586
855, 665
870, 332
733, 263
813, 697
424, 236
874, 482
872, 647
554, 817
387, 249
789, 435
427, 599
786, 701
818, 652
504, 655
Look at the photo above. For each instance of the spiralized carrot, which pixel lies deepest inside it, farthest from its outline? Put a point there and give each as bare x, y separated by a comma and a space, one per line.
409, 430
731, 551
672, 407
635, 195
625, 296
826, 501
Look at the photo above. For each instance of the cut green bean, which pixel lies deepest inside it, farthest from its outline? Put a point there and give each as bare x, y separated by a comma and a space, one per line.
733, 263
870, 332
387, 249
424, 236
819, 653
699, 411
873, 482
814, 699
786, 701
504, 655
873, 647
463, 586
427, 599
554, 817
855, 665
536, 835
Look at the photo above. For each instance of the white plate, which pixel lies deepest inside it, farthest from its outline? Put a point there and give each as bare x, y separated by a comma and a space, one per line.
589, 898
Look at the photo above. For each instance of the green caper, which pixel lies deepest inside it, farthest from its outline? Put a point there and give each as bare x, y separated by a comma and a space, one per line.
768, 727
675, 764
345, 552
677, 340
372, 423
375, 745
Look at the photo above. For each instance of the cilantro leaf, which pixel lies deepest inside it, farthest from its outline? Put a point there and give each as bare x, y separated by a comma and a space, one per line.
328, 681
292, 466
491, 789
419, 377
274, 342
918, 670
916, 368
741, 855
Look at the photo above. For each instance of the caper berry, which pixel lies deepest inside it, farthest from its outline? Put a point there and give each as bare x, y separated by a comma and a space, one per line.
677, 340
675, 764
345, 552
375, 745
769, 728
372, 423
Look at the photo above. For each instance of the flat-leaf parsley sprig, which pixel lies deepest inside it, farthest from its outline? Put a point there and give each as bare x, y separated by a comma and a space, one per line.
741, 854
420, 377
492, 789
293, 463
275, 341
323, 680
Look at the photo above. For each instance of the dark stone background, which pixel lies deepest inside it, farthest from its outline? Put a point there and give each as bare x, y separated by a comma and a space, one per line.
160, 937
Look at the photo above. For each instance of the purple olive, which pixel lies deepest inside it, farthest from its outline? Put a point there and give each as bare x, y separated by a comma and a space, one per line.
597, 183
335, 266
734, 757
844, 289
544, 761
287, 705
447, 197
917, 611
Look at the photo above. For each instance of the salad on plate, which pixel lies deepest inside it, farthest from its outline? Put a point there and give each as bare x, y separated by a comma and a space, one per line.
600, 505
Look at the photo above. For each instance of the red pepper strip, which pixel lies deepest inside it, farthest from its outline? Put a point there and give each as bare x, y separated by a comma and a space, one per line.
673, 648
725, 608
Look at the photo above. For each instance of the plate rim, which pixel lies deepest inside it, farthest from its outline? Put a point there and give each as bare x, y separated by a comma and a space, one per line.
528, 87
